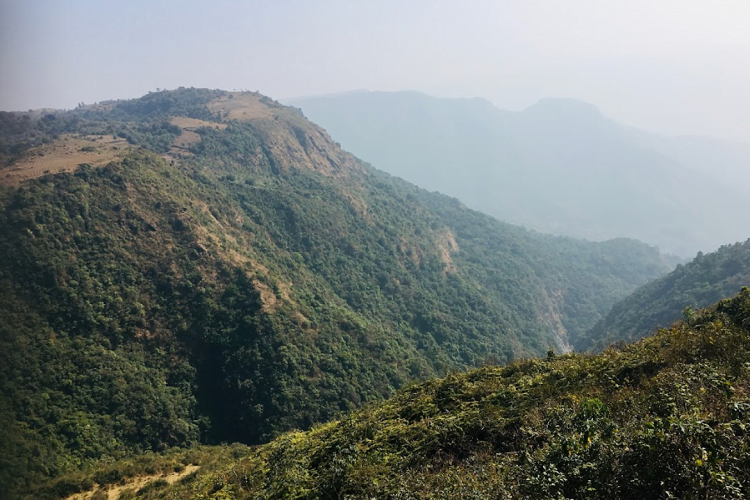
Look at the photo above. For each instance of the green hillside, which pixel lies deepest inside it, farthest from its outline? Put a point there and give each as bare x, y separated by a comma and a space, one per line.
705, 280
559, 166
219, 270
667, 417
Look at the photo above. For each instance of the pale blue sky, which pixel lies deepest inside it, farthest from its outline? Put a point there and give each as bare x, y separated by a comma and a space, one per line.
673, 66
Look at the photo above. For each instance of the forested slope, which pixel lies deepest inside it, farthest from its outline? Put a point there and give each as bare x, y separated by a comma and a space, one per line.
222, 271
559, 166
666, 417
708, 278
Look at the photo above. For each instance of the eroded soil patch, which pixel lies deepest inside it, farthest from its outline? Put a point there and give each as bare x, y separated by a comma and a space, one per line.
64, 155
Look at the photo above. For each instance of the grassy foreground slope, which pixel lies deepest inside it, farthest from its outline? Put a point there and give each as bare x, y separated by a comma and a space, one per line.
224, 272
667, 417
706, 279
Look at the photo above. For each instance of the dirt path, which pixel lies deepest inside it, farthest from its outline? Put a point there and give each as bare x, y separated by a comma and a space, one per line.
113, 492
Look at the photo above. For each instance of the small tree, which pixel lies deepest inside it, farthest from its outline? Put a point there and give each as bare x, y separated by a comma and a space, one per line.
689, 315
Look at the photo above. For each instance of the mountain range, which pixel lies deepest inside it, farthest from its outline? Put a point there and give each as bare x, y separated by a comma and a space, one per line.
559, 166
200, 266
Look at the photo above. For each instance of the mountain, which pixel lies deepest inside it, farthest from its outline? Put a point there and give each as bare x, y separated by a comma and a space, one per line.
559, 166
200, 266
666, 417
659, 303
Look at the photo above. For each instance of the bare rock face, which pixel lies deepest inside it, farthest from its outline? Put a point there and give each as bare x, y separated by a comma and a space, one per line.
291, 140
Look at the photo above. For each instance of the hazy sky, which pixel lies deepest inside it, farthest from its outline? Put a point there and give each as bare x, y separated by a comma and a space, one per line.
672, 66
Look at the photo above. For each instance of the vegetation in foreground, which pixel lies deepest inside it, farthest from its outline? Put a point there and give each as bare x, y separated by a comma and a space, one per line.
252, 280
667, 417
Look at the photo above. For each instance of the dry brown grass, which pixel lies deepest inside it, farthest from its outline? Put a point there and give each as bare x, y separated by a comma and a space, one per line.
186, 123
113, 492
182, 144
186, 139
64, 155
291, 140
240, 106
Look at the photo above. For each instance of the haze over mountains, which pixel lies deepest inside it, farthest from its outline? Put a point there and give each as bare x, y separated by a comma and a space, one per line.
201, 266
405, 294
204, 266
559, 166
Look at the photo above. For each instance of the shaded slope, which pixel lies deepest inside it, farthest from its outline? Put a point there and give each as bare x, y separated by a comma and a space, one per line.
663, 418
696, 284
257, 280
558, 166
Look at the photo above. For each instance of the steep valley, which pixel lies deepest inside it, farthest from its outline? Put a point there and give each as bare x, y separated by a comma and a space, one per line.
228, 273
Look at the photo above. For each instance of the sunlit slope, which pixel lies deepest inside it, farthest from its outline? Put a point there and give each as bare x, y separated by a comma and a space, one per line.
232, 274
666, 417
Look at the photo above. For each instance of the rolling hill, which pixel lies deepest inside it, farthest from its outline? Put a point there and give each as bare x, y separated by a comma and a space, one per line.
199, 266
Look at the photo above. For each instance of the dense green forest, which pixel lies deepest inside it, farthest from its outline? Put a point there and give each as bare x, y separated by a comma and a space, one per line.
666, 417
705, 280
559, 166
256, 281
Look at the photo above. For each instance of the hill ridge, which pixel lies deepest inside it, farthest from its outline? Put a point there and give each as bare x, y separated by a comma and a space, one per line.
253, 280
696, 284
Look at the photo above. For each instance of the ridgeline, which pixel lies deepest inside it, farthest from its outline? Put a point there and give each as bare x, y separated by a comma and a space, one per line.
202, 266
